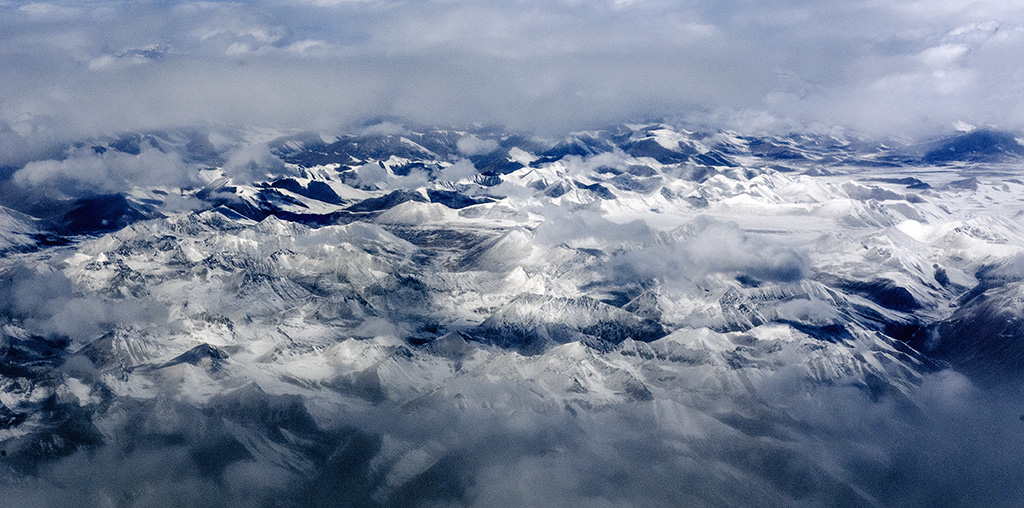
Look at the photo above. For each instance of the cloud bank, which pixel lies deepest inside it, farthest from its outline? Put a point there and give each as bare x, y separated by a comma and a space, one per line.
897, 67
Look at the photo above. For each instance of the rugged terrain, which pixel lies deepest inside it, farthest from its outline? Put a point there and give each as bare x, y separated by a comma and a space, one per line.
636, 316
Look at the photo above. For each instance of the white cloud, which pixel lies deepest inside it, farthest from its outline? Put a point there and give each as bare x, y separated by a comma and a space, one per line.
43, 9
306, 46
704, 247
472, 145
256, 33
975, 31
384, 129
552, 66
108, 171
237, 48
253, 162
102, 62
944, 55
962, 126
814, 312
371, 175
463, 169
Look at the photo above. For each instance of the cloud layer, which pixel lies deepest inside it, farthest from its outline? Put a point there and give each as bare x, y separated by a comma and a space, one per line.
896, 67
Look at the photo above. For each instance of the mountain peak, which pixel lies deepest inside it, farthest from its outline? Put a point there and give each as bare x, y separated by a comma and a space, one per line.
981, 145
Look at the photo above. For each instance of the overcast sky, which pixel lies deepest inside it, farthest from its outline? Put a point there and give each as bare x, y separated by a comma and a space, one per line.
889, 67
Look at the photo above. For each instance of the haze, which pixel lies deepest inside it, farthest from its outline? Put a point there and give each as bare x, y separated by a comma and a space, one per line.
72, 69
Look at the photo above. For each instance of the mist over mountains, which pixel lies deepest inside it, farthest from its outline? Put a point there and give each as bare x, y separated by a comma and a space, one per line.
436, 253
640, 315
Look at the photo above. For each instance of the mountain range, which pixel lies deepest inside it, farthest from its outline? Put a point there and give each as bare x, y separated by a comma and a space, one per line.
641, 315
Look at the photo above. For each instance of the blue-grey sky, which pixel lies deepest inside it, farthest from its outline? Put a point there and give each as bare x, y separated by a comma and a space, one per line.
886, 67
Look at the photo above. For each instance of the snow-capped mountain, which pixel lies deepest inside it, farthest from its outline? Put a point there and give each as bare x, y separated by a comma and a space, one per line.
643, 315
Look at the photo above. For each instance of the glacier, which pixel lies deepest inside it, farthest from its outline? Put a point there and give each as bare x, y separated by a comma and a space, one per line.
641, 315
